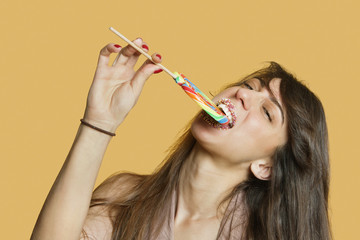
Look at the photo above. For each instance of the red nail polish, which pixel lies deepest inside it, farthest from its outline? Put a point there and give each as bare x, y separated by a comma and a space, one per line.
117, 46
158, 71
158, 55
145, 46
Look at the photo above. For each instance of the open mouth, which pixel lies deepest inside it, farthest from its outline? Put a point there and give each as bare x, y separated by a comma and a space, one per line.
227, 107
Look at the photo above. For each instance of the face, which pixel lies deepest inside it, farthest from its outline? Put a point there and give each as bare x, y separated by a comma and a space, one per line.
259, 128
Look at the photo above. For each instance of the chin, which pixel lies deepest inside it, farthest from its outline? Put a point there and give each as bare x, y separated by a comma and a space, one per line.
204, 133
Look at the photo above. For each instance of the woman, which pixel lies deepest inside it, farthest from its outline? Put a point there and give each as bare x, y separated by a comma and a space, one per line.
265, 177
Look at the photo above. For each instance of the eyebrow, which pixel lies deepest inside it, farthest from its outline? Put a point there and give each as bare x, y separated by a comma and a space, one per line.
272, 98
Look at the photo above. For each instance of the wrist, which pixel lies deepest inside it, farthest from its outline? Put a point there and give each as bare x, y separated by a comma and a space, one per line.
93, 137
103, 119
99, 125
112, 134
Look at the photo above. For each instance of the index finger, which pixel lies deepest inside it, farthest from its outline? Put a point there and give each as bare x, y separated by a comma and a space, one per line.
142, 52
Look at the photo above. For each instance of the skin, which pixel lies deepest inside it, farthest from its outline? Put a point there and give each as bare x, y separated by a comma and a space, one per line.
114, 91
222, 159
219, 161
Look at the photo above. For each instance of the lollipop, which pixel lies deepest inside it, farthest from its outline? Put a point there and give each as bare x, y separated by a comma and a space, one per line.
190, 89
200, 98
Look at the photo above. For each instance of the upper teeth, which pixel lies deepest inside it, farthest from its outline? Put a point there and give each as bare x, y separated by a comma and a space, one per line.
226, 111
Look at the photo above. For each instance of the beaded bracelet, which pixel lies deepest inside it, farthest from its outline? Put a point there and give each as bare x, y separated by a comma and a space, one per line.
96, 128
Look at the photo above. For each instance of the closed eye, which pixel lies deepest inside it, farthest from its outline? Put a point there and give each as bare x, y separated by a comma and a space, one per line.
248, 86
267, 114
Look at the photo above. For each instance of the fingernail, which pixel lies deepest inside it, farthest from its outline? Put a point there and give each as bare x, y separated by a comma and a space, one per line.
145, 46
158, 71
158, 55
117, 46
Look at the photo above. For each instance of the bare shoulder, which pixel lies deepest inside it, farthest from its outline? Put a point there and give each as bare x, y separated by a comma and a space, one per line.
117, 188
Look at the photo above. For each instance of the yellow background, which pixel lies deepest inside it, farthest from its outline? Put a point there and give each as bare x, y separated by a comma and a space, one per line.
48, 54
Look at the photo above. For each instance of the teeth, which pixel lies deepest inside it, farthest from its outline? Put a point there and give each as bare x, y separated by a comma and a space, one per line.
227, 107
226, 111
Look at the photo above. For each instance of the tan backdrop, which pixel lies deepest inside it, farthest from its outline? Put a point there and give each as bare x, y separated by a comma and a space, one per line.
48, 54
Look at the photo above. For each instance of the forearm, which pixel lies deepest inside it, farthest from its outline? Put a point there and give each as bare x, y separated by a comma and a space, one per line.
67, 204
113, 93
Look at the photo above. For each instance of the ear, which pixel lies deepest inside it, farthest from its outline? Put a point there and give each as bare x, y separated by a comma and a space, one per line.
261, 169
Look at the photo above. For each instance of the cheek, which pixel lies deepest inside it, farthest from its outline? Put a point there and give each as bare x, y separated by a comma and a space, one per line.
255, 126
258, 136
264, 135
252, 139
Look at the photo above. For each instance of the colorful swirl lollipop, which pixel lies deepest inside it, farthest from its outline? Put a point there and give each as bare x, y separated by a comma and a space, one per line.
200, 98
190, 89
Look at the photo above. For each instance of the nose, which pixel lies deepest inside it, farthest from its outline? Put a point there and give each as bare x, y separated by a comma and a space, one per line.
249, 97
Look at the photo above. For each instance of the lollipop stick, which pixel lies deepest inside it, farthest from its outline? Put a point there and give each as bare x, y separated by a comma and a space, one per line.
142, 52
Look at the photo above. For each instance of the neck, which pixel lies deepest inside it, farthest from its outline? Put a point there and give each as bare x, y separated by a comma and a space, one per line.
205, 181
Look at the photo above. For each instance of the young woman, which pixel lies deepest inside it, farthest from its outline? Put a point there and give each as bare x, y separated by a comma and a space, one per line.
264, 177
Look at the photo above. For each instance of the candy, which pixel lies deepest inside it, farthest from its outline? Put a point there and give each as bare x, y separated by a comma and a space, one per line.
200, 98
191, 90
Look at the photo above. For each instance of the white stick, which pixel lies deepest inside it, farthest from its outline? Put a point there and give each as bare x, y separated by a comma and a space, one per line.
142, 51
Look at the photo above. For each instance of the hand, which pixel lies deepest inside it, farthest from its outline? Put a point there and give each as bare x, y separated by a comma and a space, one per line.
116, 89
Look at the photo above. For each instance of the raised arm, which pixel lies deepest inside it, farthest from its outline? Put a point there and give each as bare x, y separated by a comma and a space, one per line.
113, 93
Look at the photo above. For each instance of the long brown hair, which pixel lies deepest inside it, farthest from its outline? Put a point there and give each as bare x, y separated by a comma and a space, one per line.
293, 204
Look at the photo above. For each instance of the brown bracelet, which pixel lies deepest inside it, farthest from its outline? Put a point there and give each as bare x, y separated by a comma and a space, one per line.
96, 128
